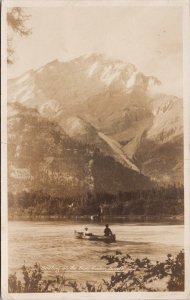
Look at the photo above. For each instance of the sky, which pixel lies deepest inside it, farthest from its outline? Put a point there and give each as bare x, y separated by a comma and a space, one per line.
148, 37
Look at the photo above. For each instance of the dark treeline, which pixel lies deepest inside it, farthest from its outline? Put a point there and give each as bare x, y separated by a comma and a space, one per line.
164, 201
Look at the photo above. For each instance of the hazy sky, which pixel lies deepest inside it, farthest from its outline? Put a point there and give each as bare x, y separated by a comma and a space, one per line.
148, 37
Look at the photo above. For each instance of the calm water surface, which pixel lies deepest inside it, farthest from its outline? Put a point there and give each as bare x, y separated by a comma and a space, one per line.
53, 245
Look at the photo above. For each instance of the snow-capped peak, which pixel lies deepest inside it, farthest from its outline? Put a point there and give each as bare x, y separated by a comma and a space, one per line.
66, 81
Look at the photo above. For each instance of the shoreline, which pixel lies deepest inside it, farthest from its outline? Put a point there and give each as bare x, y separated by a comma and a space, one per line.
174, 219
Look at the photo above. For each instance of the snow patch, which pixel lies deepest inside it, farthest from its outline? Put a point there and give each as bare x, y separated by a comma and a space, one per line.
20, 173
75, 126
20, 90
50, 106
92, 68
40, 70
23, 77
151, 82
132, 80
26, 96
23, 95
111, 72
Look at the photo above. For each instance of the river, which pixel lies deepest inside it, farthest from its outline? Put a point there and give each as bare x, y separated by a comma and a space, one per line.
52, 244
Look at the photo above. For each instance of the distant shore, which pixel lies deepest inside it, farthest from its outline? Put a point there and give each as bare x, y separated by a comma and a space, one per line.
173, 219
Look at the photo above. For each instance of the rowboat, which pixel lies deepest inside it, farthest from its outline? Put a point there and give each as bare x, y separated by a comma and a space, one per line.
94, 237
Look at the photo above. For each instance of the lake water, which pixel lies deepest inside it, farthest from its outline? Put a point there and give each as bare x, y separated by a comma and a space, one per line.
52, 244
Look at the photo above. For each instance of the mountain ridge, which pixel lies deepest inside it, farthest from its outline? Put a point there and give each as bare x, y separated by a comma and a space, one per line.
115, 100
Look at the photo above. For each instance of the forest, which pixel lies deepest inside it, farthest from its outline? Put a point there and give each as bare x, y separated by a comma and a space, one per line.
159, 201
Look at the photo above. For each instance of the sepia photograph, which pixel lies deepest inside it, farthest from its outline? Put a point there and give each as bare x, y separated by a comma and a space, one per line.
95, 148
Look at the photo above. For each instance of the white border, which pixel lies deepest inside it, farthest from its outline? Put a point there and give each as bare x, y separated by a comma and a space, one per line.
186, 119
54, 3
186, 101
4, 215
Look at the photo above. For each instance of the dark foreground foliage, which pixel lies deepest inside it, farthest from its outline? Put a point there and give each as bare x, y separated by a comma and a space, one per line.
136, 275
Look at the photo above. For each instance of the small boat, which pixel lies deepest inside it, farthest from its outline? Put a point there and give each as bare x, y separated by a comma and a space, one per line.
94, 237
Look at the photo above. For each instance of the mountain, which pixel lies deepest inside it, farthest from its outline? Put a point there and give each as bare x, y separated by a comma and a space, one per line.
74, 82
161, 151
42, 157
109, 104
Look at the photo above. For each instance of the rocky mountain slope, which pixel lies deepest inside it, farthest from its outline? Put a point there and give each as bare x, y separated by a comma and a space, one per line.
42, 157
109, 104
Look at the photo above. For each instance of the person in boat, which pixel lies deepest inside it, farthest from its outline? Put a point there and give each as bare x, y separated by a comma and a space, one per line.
86, 232
107, 231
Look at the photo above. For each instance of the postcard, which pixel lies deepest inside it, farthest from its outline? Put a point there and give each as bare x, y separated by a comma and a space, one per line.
95, 149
